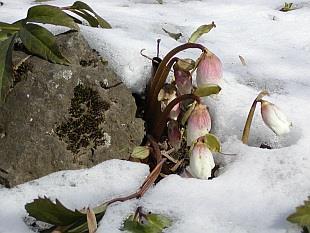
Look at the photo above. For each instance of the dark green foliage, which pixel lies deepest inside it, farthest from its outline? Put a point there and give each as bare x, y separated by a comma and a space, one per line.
302, 215
41, 42
150, 223
5, 66
38, 40
64, 219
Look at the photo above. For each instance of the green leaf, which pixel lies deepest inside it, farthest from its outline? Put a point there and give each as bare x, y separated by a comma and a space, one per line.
78, 5
200, 31
302, 215
6, 70
287, 7
188, 113
212, 142
93, 22
208, 89
140, 152
185, 64
4, 35
43, 209
153, 223
42, 43
159, 220
9, 27
173, 35
50, 15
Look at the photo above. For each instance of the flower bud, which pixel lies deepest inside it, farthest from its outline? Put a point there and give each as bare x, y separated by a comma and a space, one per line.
174, 134
198, 124
274, 118
209, 70
201, 161
166, 95
183, 80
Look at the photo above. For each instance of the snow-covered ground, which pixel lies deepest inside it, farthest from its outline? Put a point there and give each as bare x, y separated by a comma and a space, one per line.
257, 188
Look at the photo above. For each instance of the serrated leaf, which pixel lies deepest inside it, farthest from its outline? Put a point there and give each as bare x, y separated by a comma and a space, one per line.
287, 7
140, 152
159, 220
208, 89
212, 142
6, 70
203, 29
78, 5
9, 27
173, 35
154, 223
42, 43
43, 209
302, 215
50, 15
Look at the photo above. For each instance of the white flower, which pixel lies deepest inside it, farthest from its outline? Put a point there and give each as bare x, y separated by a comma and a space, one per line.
199, 124
274, 118
201, 161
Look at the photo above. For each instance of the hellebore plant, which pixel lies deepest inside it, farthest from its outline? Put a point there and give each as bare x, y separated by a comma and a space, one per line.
272, 116
175, 107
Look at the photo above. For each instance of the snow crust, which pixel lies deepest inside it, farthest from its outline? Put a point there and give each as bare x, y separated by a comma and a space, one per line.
256, 188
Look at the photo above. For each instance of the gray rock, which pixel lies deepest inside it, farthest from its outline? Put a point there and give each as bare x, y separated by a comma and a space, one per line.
65, 117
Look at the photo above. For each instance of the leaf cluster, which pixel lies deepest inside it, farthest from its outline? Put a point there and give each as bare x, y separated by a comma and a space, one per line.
63, 219
302, 215
146, 223
38, 40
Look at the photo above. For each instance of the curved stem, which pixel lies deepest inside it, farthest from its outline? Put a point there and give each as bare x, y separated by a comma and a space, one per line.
154, 104
161, 124
247, 126
162, 66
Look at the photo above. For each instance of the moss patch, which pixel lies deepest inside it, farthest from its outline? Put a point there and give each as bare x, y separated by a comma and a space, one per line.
82, 129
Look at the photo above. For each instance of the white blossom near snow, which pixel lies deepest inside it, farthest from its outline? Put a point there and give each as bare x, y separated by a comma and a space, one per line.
257, 188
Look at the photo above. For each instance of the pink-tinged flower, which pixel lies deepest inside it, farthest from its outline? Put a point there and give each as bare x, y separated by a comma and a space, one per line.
201, 161
174, 134
198, 124
209, 70
183, 81
166, 95
274, 118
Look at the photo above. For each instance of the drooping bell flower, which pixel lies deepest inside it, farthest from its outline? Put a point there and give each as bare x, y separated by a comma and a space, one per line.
183, 81
165, 96
198, 124
274, 118
209, 69
174, 134
201, 161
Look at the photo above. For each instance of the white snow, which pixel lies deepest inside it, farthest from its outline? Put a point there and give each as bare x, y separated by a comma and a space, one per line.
257, 188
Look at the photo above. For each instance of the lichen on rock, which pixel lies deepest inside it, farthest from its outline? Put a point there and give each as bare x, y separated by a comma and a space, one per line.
82, 129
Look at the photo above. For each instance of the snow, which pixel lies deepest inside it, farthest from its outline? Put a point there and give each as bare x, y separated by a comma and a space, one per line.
256, 189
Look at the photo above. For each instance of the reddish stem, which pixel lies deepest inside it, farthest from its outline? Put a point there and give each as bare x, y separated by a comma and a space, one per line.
161, 123
156, 83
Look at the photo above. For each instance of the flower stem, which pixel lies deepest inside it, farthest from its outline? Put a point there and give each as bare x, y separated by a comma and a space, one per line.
247, 126
157, 82
161, 123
